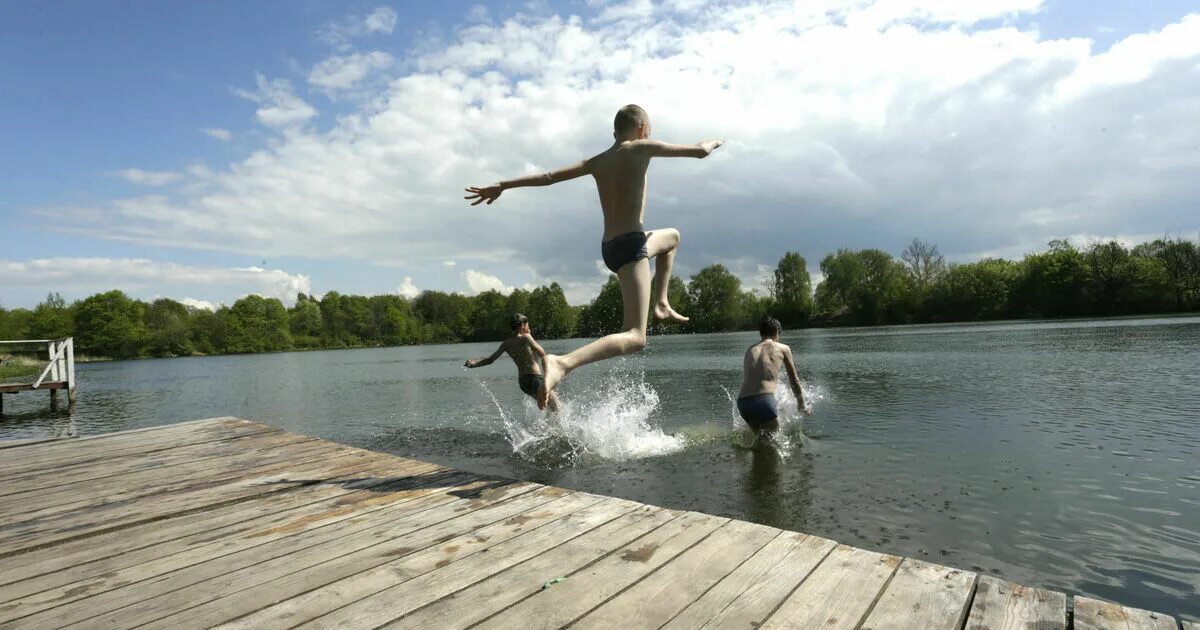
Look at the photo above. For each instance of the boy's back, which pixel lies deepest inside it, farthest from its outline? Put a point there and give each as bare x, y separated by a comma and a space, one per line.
761, 366
620, 174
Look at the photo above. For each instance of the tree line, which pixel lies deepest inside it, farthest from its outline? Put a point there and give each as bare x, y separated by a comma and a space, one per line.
860, 287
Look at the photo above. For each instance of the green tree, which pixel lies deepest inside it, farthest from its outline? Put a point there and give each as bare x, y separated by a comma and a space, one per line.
549, 314
206, 329
446, 316
52, 319
1053, 282
791, 289
257, 324
490, 317
394, 320
975, 291
306, 322
14, 324
111, 325
605, 314
167, 328
716, 301
866, 287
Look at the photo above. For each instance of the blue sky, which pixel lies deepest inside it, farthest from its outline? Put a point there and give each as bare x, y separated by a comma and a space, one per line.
122, 123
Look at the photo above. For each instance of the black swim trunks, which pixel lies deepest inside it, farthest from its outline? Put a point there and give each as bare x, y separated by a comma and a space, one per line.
758, 410
624, 249
530, 383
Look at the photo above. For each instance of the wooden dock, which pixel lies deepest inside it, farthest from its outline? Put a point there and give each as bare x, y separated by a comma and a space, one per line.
57, 374
229, 523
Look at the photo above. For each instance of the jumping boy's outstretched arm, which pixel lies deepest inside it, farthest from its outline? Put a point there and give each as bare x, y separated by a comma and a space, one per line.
794, 378
491, 193
474, 363
665, 149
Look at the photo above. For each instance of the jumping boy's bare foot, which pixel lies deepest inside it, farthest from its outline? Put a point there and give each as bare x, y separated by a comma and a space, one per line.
554, 374
664, 312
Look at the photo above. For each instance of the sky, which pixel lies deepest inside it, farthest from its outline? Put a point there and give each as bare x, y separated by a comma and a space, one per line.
204, 151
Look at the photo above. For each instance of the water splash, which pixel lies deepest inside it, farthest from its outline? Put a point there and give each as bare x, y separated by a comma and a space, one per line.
791, 421
611, 422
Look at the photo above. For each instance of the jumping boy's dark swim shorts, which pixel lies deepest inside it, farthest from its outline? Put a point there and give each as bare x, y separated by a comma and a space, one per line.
624, 249
530, 383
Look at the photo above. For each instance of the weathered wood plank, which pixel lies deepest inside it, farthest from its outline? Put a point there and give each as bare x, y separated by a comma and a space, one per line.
677, 584
79, 553
745, 597
66, 475
71, 452
584, 590
31, 441
430, 547
467, 606
376, 597
1095, 614
244, 534
154, 599
147, 484
838, 592
923, 596
1189, 625
270, 448
54, 530
1001, 605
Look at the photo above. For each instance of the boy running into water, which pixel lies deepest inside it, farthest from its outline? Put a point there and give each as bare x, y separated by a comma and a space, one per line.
620, 174
524, 350
760, 373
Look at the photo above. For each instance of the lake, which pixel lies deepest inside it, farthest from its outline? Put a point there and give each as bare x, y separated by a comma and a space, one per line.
1056, 454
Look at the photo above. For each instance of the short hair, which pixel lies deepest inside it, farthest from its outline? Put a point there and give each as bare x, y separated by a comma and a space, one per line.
518, 320
769, 326
629, 118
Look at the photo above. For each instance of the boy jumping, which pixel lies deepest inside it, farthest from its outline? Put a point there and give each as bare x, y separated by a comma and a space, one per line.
524, 350
620, 174
760, 373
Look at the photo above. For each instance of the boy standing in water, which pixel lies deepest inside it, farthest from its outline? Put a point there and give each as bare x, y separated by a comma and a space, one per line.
524, 350
620, 174
760, 373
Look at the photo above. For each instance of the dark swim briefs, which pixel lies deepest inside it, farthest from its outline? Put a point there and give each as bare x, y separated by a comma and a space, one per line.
624, 249
758, 410
530, 383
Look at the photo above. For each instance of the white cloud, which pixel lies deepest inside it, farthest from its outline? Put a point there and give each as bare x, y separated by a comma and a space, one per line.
850, 124
408, 289
280, 107
148, 178
203, 305
79, 277
478, 282
339, 34
346, 71
216, 132
449, 263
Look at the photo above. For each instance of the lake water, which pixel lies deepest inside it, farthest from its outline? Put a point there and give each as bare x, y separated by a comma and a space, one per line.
1062, 455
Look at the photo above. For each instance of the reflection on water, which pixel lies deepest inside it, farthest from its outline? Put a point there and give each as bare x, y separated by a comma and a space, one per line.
1057, 454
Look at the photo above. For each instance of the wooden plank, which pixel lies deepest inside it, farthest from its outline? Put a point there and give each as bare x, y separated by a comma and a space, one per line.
53, 456
118, 439
838, 592
664, 593
372, 598
30, 442
1189, 625
1094, 614
295, 532
199, 524
65, 475
467, 606
35, 534
152, 479
244, 534
16, 388
287, 449
1001, 605
146, 601
584, 590
745, 597
923, 596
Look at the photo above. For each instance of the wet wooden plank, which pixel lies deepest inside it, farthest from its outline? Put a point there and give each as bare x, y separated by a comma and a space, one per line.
664, 593
1095, 614
468, 606
394, 589
584, 590
1002, 605
838, 593
923, 596
210, 543
199, 588
756, 588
